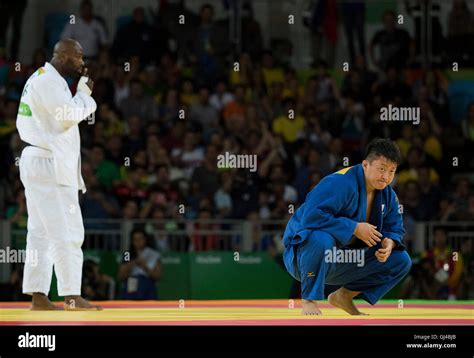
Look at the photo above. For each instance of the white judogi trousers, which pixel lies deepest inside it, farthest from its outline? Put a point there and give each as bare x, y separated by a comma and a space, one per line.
55, 227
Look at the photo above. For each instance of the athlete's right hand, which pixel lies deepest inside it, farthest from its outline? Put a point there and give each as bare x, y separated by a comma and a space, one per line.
367, 233
89, 82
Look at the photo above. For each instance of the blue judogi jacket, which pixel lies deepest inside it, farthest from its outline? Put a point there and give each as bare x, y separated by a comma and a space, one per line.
338, 203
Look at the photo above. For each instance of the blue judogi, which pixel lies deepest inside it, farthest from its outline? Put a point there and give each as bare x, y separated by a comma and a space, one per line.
328, 219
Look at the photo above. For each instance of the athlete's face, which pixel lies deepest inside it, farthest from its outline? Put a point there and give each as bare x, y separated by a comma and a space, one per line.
379, 172
73, 61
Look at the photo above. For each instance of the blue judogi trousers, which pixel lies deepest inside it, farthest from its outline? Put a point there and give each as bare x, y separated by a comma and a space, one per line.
306, 262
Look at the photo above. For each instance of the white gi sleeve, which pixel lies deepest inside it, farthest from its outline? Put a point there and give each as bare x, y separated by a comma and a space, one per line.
62, 105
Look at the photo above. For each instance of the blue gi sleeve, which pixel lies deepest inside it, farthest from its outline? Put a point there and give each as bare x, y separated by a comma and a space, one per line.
323, 207
393, 221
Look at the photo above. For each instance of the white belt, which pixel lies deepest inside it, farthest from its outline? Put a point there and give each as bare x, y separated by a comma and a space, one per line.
31, 151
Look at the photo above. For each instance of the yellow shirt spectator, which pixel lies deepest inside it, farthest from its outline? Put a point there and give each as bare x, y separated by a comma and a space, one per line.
404, 146
412, 174
271, 75
291, 129
432, 147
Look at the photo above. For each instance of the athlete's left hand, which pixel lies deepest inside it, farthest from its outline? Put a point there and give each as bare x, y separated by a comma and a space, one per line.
384, 252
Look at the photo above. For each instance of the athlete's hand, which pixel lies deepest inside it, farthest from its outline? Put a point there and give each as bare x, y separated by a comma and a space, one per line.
385, 251
367, 233
89, 82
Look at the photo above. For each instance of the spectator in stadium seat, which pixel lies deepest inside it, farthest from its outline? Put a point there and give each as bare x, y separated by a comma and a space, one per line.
169, 107
140, 273
96, 286
359, 80
448, 270
87, 30
431, 193
264, 211
12, 10
245, 71
468, 213
395, 45
332, 158
413, 205
121, 87
130, 210
159, 229
421, 284
323, 26
460, 31
173, 142
206, 174
431, 142
131, 187
353, 114
252, 39
460, 195
290, 124
222, 198
191, 155
134, 133
414, 160
466, 289
16, 213
245, 187
404, 142
163, 185
106, 171
467, 128
303, 174
112, 123
188, 95
234, 112
276, 99
446, 212
169, 72
221, 97
434, 89
180, 35
205, 241
151, 85
135, 38
97, 204
392, 89
271, 72
319, 136
210, 46
353, 15
38, 60
203, 112
138, 103
283, 192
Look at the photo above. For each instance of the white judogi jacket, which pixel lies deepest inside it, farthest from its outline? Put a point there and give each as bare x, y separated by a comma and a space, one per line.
48, 118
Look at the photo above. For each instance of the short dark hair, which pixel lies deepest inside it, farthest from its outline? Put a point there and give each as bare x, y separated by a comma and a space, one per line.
380, 147
206, 6
389, 13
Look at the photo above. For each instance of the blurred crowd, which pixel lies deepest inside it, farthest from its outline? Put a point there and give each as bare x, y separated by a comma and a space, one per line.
170, 100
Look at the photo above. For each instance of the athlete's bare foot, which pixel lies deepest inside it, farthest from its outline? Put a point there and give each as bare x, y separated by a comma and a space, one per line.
310, 308
41, 302
342, 298
77, 303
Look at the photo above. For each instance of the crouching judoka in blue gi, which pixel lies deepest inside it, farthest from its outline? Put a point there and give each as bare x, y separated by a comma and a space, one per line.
348, 233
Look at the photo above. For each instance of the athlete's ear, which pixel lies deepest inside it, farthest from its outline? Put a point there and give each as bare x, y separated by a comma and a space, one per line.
365, 163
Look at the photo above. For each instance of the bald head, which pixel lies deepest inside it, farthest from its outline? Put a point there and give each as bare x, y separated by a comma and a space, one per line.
67, 47
67, 57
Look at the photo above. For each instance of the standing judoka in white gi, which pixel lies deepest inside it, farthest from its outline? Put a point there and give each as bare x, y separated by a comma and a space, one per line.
50, 169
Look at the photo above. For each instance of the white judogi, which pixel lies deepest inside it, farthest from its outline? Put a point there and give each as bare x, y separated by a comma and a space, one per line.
50, 170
